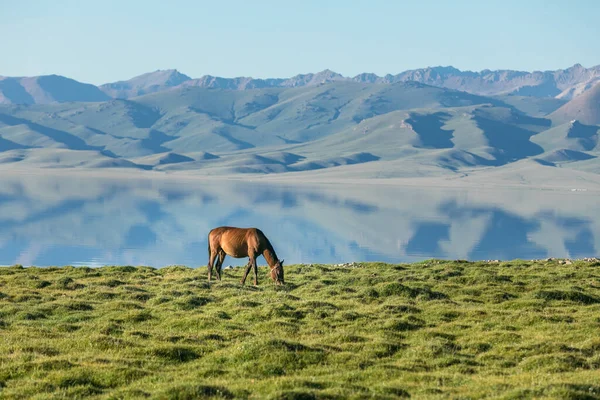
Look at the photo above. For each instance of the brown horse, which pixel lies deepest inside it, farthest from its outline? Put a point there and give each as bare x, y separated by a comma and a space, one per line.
239, 243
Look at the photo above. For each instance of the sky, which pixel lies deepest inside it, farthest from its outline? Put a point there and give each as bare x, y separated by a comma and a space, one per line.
105, 41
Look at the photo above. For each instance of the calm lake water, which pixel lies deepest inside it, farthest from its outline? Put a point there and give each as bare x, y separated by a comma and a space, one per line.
54, 220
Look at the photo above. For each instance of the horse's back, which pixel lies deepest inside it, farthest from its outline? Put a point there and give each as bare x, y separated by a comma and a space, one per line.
233, 233
236, 231
223, 229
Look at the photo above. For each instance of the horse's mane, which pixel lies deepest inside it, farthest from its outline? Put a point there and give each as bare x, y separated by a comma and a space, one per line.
269, 252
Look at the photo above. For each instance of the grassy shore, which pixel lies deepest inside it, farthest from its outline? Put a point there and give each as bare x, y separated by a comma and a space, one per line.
436, 329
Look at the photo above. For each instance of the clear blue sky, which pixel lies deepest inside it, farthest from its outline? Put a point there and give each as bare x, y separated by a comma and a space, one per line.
103, 41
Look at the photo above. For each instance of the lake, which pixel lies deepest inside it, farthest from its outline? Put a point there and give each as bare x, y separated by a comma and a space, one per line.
77, 220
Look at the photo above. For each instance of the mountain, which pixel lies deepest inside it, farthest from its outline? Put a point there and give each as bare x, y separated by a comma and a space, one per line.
189, 119
486, 82
321, 124
244, 83
47, 89
563, 85
584, 108
579, 88
325, 76
240, 83
147, 83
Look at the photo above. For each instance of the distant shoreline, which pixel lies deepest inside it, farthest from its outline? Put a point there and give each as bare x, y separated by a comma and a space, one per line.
580, 182
353, 264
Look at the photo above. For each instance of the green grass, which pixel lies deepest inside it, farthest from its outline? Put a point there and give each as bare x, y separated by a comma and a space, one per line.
435, 329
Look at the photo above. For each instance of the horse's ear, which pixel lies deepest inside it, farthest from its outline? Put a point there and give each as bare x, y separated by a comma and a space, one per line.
281, 262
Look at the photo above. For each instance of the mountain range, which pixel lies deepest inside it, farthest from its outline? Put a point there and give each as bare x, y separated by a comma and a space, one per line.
564, 83
428, 122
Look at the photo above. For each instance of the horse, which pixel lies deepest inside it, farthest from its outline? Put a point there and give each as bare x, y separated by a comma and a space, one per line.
239, 243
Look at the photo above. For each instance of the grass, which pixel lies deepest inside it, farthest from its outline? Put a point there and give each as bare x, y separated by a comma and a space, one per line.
436, 329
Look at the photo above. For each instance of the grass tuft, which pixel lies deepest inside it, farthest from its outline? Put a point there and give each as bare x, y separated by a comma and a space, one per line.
567, 295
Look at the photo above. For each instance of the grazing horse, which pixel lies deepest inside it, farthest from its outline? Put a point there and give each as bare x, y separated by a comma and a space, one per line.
239, 243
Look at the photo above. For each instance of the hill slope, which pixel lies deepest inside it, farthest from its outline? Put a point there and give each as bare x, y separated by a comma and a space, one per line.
585, 108
397, 129
47, 89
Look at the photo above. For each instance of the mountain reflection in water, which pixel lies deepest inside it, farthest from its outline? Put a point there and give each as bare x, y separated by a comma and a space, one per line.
49, 220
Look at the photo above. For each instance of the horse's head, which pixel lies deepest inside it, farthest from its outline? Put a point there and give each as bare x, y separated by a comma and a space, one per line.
277, 272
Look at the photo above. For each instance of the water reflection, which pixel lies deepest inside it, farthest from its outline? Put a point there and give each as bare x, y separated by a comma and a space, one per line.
53, 220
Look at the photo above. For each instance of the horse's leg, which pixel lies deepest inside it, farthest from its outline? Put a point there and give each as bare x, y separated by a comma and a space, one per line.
211, 261
255, 267
220, 264
246, 272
